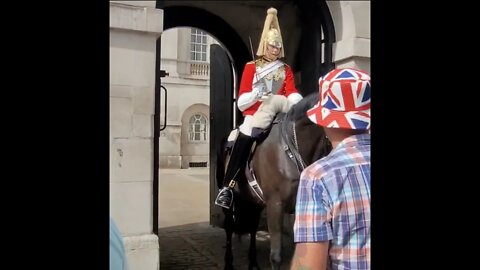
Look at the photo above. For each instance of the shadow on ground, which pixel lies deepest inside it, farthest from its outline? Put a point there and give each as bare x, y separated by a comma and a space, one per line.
201, 246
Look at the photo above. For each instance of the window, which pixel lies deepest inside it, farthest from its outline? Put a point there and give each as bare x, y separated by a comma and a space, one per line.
197, 128
198, 45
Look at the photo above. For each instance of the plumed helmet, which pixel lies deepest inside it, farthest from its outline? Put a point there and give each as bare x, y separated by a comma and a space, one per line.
271, 34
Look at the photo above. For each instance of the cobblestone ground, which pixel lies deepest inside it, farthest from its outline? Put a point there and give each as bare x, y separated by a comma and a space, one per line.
201, 246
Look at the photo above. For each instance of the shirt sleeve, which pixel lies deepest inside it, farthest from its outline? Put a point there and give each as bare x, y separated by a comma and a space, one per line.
245, 95
312, 211
118, 258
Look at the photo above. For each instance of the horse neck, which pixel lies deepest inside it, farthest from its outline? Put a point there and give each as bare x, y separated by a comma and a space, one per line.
312, 143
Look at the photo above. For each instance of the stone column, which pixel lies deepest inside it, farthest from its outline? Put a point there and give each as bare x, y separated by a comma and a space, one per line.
352, 29
134, 28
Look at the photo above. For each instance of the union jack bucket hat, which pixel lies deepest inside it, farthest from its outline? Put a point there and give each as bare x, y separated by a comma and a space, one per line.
344, 100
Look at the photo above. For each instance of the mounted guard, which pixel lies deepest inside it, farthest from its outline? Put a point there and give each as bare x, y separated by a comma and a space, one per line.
267, 87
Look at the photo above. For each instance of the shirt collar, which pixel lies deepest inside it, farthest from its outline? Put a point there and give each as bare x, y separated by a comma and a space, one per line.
358, 139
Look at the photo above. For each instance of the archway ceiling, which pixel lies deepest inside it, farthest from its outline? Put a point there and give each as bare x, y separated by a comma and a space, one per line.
248, 17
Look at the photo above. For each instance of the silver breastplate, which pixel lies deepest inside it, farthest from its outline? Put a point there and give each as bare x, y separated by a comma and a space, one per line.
273, 81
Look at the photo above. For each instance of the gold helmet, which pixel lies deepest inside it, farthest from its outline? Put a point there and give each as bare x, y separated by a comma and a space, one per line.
271, 34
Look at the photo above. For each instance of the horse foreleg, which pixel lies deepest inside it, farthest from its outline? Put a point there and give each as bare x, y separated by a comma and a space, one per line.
228, 259
252, 251
275, 222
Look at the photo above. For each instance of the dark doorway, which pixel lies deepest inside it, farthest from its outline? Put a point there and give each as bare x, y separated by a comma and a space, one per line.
221, 117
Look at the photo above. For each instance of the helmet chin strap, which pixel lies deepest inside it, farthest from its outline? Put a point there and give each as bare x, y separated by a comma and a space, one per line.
270, 58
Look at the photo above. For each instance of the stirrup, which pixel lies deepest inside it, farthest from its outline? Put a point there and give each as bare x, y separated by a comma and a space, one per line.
220, 200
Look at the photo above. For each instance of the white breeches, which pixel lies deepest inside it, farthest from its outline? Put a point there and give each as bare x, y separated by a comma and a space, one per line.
246, 126
269, 108
266, 112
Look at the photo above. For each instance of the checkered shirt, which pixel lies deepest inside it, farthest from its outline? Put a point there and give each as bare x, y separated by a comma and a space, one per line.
333, 204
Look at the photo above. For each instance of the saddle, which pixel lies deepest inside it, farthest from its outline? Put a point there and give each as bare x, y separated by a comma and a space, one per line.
287, 130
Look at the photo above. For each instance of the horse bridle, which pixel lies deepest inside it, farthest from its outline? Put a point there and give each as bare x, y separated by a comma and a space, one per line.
291, 149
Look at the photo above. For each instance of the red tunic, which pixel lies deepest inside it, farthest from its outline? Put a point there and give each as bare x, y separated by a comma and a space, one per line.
287, 88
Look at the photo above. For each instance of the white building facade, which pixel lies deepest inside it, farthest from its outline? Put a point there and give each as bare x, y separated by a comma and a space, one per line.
185, 56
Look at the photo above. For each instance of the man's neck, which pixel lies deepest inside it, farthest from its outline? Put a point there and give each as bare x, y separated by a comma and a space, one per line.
337, 135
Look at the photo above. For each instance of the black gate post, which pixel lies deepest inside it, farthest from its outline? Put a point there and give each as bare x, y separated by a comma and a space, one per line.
221, 118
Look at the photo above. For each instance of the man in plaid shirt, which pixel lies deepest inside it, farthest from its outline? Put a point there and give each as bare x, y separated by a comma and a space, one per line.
332, 217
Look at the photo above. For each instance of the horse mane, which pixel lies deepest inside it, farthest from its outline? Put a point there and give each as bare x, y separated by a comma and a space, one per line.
299, 110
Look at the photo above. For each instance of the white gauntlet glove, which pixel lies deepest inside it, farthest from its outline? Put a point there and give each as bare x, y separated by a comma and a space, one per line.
260, 92
257, 91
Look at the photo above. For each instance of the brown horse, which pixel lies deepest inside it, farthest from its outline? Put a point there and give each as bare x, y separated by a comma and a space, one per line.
293, 143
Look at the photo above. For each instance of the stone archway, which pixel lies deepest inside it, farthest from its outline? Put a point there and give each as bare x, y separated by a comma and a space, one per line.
352, 28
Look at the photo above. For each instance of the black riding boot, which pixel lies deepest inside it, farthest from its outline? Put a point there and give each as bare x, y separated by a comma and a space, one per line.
238, 158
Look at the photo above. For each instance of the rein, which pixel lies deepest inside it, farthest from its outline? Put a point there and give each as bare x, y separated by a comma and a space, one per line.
291, 148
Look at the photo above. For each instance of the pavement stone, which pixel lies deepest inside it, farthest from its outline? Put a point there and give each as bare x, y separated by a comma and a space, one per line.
187, 240
201, 246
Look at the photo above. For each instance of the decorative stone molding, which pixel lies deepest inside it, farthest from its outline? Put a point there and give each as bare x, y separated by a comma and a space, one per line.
136, 18
352, 47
